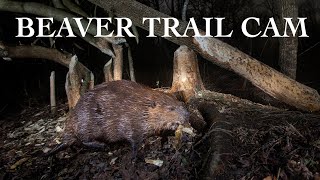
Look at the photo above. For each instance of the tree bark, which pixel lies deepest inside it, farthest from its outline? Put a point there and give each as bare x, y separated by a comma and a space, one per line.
288, 47
264, 77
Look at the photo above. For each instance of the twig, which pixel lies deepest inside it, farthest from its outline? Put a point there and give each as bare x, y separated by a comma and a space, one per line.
4, 107
309, 48
184, 10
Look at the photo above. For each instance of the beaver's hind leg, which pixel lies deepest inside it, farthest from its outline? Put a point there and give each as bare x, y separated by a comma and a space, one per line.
68, 140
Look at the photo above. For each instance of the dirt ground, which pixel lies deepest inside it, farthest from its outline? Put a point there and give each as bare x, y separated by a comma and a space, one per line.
266, 143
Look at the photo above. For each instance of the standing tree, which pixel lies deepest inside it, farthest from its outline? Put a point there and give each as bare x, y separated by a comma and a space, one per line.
288, 47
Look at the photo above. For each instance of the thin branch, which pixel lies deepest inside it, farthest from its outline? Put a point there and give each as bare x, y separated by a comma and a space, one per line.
184, 10
100, 43
74, 8
309, 48
58, 4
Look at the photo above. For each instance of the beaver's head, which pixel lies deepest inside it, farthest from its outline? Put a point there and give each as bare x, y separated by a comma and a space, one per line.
167, 113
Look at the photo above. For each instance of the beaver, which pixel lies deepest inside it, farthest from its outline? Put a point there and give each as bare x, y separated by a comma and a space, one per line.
121, 110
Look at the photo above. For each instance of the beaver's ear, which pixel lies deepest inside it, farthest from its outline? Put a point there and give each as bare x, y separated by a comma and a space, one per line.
172, 108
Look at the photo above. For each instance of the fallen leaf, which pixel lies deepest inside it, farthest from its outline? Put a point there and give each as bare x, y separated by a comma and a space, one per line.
59, 129
157, 162
113, 161
46, 149
188, 131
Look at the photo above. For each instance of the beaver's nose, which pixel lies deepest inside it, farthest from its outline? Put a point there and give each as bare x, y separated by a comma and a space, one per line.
175, 125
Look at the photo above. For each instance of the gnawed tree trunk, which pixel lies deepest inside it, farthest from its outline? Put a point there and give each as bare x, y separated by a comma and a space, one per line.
72, 91
187, 82
91, 83
203, 115
107, 70
186, 74
131, 67
118, 62
264, 77
288, 47
78, 81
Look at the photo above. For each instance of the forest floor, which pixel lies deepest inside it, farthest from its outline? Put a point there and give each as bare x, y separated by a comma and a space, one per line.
267, 143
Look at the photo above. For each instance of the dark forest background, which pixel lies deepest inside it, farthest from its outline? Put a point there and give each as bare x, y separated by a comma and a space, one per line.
25, 83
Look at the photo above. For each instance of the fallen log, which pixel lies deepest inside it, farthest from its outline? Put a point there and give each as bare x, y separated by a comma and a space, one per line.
34, 52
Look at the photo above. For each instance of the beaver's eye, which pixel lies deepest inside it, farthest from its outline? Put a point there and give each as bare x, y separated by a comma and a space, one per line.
171, 108
153, 104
